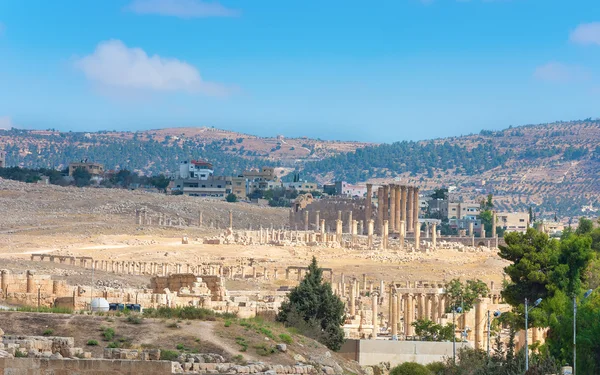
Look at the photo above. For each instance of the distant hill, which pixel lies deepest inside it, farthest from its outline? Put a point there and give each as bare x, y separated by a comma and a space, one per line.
554, 167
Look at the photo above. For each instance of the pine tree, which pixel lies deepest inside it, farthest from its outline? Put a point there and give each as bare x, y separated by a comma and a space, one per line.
315, 310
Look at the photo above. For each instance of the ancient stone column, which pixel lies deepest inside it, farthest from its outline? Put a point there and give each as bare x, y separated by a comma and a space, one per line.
386, 235
370, 234
3, 282
435, 301
380, 207
409, 211
416, 209
434, 235
471, 232
394, 317
494, 220
317, 220
482, 231
386, 203
368, 203
30, 281
397, 214
306, 220
479, 324
323, 239
392, 208
350, 222
354, 229
364, 281
351, 301
427, 308
338, 231
408, 315
287, 273
375, 302
254, 272
403, 202
417, 229
401, 233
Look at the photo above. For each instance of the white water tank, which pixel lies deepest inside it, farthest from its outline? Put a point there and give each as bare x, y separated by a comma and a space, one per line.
99, 304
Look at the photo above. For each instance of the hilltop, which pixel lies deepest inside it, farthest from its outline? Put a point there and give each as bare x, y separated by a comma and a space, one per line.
555, 167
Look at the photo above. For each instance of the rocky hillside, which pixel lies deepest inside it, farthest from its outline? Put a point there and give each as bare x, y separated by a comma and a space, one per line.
554, 167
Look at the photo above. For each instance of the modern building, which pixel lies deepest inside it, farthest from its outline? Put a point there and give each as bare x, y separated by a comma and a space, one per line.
213, 187
265, 174
301, 186
94, 169
460, 210
513, 221
2, 159
345, 189
195, 169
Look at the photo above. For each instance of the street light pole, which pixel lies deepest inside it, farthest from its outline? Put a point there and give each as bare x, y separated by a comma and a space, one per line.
526, 337
574, 333
488, 338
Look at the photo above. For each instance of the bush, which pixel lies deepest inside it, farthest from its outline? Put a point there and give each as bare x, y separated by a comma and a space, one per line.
231, 198
180, 347
112, 345
285, 338
187, 312
108, 334
239, 359
436, 367
48, 332
410, 368
20, 354
264, 350
241, 342
168, 355
227, 323
92, 342
134, 319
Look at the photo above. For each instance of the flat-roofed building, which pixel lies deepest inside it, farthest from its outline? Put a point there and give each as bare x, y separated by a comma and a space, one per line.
2, 159
95, 169
513, 221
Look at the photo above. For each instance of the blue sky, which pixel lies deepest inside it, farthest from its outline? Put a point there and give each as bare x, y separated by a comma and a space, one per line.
378, 71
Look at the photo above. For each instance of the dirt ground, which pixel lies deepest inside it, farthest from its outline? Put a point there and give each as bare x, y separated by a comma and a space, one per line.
101, 223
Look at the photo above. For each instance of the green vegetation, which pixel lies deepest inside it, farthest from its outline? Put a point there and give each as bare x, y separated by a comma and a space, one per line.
227, 323
231, 198
168, 355
108, 333
285, 338
92, 342
265, 350
134, 319
43, 309
464, 295
410, 368
48, 332
241, 341
187, 312
314, 310
20, 354
427, 330
113, 345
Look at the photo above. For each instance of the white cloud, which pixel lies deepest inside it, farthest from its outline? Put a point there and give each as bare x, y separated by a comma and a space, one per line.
559, 73
182, 8
113, 64
6, 123
586, 33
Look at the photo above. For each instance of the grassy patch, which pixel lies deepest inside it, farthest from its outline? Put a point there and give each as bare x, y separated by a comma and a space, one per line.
43, 309
187, 312
264, 350
134, 319
227, 323
168, 355
48, 332
285, 338
92, 343
241, 341
20, 354
113, 345
108, 333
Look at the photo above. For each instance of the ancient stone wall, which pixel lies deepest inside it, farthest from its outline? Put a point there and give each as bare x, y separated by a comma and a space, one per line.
35, 366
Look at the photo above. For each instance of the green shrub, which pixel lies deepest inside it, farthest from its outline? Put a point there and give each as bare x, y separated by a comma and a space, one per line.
180, 347
287, 339
227, 323
264, 350
92, 342
267, 332
113, 345
239, 359
43, 309
241, 342
48, 332
134, 319
20, 354
410, 368
108, 333
168, 355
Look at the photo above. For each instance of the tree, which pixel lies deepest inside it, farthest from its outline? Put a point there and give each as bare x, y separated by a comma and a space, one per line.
430, 331
410, 368
585, 226
160, 182
314, 309
82, 177
465, 295
231, 198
